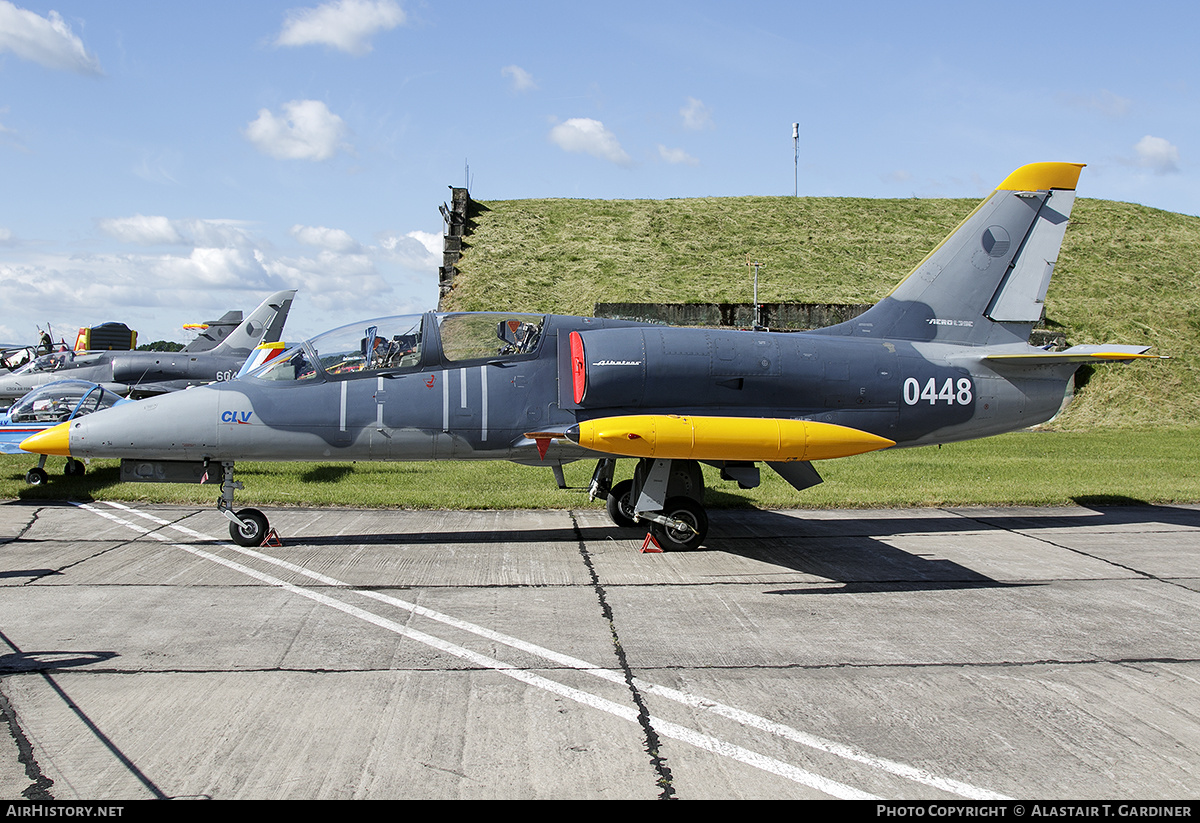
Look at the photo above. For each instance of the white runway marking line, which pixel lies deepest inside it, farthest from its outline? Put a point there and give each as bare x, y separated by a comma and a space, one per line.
702, 741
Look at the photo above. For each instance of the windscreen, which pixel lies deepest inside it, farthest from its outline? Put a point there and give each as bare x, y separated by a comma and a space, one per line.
374, 345
56, 402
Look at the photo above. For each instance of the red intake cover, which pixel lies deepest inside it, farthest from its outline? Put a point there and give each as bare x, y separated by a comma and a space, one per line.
578, 368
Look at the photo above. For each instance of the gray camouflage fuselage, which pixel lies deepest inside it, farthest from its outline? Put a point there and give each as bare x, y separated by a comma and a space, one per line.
944, 357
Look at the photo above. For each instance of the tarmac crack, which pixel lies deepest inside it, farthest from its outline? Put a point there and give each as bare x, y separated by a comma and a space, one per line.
87, 721
39, 787
652, 742
33, 518
44, 573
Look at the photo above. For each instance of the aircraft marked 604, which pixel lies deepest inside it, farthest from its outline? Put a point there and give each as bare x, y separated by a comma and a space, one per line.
144, 373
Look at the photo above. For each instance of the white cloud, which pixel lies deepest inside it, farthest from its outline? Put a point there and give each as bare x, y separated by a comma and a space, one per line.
696, 116
214, 268
334, 240
156, 230
521, 79
1157, 154
432, 242
676, 156
306, 130
142, 230
347, 25
195, 269
332, 281
45, 40
586, 136
414, 250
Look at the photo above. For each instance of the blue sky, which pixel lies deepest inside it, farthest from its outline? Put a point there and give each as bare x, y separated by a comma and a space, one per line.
162, 162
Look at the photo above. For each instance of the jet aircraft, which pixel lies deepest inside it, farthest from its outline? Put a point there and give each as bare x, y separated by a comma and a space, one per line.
142, 373
48, 406
944, 357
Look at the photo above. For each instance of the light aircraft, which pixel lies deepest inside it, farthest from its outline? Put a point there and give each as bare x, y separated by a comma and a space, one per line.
15, 355
48, 406
141, 373
944, 357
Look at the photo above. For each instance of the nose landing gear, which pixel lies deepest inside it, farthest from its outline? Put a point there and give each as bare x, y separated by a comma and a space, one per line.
247, 527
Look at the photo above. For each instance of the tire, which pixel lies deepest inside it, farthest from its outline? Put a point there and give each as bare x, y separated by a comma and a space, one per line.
688, 511
74, 468
36, 477
620, 506
253, 529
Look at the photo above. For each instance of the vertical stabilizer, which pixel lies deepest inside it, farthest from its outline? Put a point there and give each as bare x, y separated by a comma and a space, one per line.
264, 325
986, 282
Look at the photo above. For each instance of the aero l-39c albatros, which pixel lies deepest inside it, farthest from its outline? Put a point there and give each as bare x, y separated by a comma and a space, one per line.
944, 357
143, 373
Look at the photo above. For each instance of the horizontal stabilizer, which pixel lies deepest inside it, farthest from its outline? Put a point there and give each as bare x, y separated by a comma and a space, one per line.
722, 438
1075, 354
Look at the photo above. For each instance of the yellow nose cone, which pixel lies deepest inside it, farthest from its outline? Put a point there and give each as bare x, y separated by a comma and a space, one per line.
54, 440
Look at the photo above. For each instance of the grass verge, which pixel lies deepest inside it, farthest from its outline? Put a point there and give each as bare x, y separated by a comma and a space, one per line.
1037, 468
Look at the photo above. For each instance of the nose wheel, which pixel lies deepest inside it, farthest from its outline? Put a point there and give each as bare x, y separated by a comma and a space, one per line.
247, 527
250, 529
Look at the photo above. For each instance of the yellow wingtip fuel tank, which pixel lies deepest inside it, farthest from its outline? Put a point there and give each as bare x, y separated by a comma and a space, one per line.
724, 438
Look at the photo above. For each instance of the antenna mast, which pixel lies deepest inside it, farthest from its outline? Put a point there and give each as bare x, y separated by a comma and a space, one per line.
757, 308
796, 159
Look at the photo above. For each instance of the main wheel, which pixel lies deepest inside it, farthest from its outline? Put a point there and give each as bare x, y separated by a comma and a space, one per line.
252, 530
74, 468
620, 504
695, 525
36, 477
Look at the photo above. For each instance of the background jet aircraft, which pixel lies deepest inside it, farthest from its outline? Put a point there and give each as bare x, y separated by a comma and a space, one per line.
141, 373
48, 406
944, 357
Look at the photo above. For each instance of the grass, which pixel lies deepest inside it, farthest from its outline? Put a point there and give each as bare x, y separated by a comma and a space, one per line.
1038, 468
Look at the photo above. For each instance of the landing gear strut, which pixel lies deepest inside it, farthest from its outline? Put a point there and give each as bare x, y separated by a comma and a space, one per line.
37, 476
666, 494
247, 527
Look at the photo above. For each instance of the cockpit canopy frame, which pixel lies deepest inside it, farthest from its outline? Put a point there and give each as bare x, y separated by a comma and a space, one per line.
408, 342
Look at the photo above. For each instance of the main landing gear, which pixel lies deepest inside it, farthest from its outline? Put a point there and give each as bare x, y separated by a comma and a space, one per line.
666, 494
247, 527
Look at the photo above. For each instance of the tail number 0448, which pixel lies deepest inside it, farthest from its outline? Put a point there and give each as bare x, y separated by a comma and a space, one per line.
949, 392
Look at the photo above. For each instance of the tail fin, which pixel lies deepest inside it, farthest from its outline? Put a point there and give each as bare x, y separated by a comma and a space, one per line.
984, 284
213, 332
264, 325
